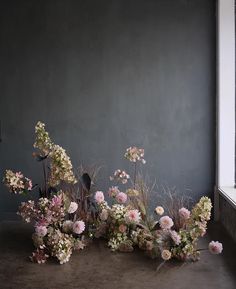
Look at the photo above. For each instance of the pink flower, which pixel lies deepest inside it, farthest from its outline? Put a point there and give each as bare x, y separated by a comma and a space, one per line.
113, 191
121, 198
41, 231
166, 255
78, 227
175, 237
56, 201
122, 228
19, 174
132, 216
30, 185
166, 222
72, 208
99, 197
215, 247
184, 213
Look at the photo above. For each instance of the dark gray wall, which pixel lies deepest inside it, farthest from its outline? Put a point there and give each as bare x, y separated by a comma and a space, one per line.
108, 74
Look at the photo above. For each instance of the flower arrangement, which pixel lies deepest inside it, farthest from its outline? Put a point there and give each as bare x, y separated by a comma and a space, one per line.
62, 214
68, 213
127, 222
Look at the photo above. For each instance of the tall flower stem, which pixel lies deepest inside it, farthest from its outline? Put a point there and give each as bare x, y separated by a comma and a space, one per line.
45, 179
135, 173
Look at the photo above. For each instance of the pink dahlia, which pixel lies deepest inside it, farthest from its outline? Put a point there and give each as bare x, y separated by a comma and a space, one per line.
132, 216
215, 247
184, 213
121, 198
78, 227
41, 231
99, 197
166, 222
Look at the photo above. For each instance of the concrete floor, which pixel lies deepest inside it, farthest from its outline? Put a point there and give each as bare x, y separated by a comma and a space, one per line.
97, 268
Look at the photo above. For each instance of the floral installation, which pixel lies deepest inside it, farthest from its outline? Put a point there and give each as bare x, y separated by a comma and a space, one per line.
68, 213
62, 214
171, 233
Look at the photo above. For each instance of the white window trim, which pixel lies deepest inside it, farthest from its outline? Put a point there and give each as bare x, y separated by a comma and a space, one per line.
226, 104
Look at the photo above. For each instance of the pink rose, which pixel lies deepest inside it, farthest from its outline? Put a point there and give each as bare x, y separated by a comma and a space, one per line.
99, 197
215, 247
184, 213
166, 222
121, 198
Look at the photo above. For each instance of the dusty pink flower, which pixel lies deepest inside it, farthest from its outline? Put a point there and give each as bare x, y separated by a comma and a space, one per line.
30, 185
41, 231
73, 207
175, 237
122, 228
215, 247
132, 216
78, 227
104, 215
166, 222
184, 213
113, 191
121, 198
99, 197
56, 201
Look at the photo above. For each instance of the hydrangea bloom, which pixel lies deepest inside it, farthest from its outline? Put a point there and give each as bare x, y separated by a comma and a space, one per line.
134, 154
120, 176
16, 182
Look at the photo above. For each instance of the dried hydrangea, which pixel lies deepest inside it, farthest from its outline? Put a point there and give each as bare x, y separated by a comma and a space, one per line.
61, 245
60, 168
120, 176
134, 154
16, 182
42, 140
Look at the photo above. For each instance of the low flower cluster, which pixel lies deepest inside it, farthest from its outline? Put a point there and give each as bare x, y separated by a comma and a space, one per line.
127, 223
65, 216
16, 182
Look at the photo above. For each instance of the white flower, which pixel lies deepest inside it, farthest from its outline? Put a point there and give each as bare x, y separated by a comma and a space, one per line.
73, 207
166, 255
159, 210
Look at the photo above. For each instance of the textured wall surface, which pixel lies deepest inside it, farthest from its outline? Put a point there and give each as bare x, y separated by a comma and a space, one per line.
108, 74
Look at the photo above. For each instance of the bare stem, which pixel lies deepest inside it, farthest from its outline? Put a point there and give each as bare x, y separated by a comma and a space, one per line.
135, 173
